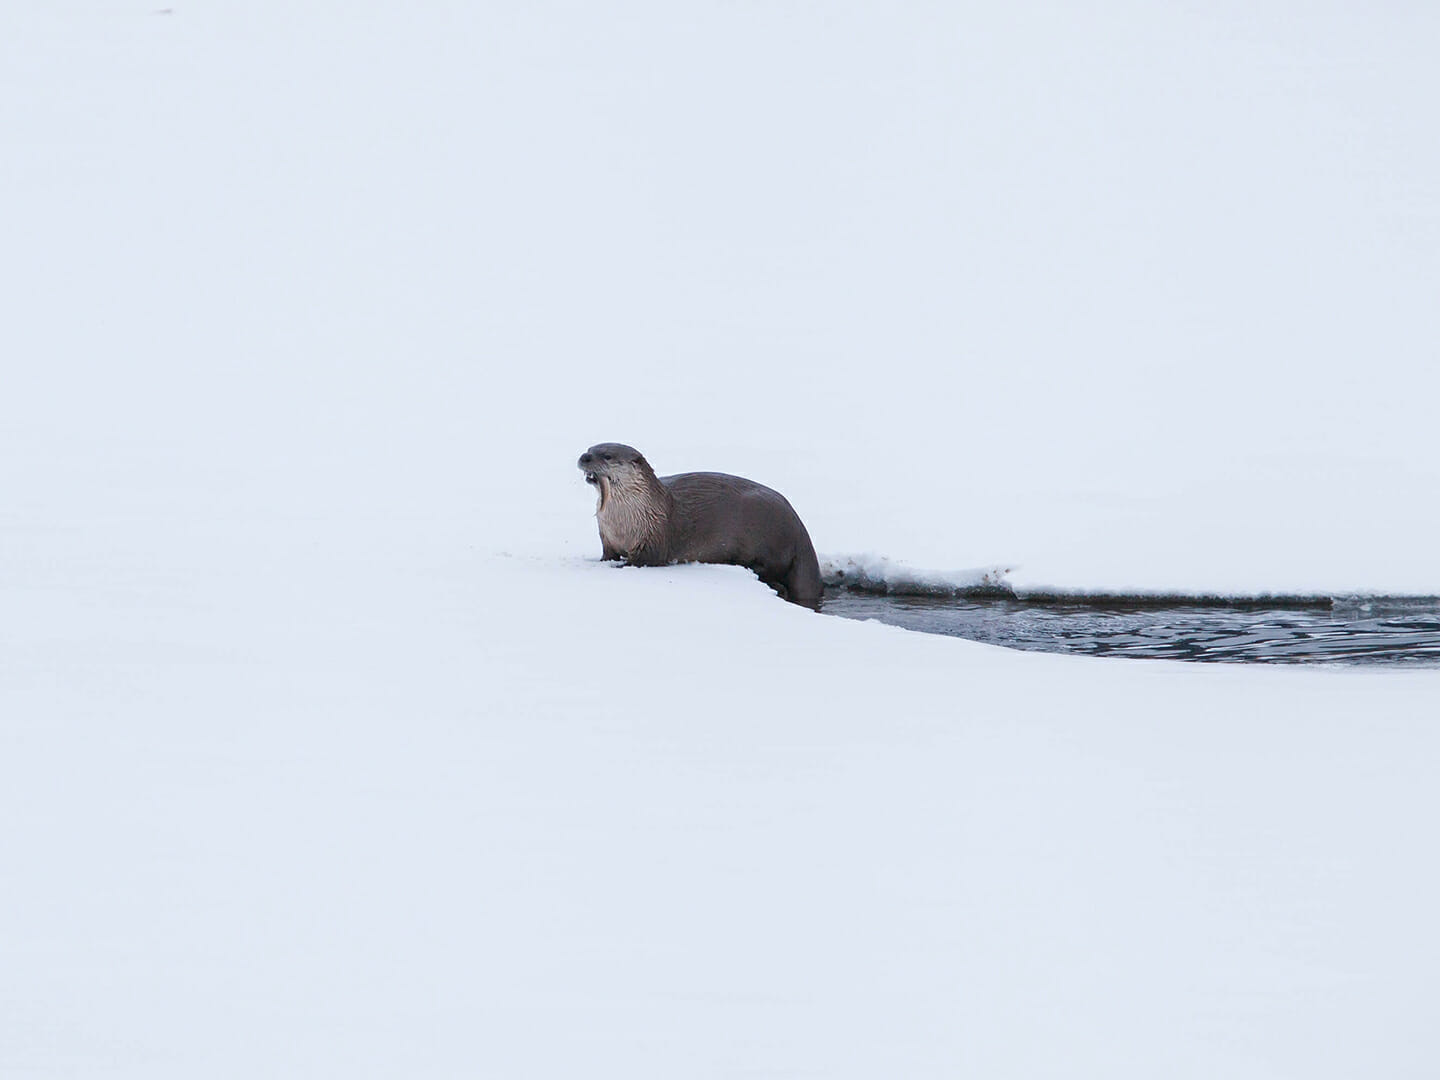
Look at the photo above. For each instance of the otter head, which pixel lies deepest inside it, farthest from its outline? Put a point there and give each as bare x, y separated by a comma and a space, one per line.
631, 503
617, 471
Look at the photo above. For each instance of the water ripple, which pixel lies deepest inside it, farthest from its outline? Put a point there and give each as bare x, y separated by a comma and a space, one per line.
1393, 630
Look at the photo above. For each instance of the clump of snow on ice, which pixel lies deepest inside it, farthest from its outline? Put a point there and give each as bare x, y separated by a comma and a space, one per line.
878, 574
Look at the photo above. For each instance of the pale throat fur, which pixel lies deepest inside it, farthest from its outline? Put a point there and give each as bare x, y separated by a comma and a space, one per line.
631, 511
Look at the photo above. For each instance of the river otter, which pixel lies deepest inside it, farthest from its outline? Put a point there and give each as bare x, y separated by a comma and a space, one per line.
706, 517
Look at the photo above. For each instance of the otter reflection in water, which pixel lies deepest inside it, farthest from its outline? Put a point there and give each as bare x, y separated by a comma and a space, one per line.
649, 520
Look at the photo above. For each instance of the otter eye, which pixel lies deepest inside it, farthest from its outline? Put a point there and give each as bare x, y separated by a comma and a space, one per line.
607, 457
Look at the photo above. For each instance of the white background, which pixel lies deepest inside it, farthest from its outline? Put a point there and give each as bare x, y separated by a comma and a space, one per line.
329, 750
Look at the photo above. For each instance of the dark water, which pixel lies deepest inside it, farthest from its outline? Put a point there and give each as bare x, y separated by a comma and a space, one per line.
1395, 631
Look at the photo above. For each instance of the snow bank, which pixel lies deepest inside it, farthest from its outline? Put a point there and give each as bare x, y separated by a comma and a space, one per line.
875, 573
878, 574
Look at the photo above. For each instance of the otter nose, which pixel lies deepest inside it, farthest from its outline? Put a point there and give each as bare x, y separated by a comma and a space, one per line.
586, 459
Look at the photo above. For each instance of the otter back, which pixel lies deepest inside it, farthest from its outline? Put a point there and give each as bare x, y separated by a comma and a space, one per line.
718, 518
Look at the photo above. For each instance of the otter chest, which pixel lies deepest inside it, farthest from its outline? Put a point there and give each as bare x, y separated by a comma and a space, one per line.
627, 525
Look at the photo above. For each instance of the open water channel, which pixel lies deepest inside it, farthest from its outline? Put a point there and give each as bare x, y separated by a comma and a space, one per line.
1389, 630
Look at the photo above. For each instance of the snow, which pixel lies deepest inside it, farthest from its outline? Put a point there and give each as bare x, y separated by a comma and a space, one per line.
876, 573
327, 747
